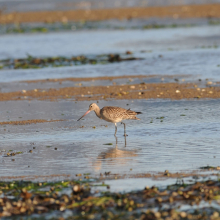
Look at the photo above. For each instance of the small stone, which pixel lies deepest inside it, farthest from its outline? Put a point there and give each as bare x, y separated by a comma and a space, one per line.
76, 188
157, 214
215, 215
183, 214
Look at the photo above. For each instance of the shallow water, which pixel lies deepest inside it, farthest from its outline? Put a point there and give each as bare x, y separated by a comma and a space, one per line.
107, 41
179, 143
193, 51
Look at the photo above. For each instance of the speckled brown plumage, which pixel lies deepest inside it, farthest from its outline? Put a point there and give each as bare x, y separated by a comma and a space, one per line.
113, 114
117, 114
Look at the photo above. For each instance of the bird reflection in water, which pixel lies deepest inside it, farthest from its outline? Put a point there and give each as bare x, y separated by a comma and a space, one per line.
114, 157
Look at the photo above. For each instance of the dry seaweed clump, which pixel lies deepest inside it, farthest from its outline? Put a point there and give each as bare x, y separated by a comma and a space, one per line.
27, 198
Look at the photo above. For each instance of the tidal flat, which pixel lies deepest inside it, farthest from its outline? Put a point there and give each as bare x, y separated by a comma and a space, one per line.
55, 167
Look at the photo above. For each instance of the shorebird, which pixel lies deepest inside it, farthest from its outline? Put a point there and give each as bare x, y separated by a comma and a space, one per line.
113, 114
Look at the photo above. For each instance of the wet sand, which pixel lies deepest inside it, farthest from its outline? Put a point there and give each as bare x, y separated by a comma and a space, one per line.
27, 122
160, 176
173, 91
185, 11
86, 79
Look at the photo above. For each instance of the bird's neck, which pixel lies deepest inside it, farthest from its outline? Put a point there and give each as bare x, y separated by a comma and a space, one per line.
97, 112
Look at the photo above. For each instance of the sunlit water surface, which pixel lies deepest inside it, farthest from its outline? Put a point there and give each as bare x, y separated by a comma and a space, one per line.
184, 140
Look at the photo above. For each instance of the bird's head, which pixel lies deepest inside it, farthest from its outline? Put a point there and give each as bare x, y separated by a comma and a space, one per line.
92, 107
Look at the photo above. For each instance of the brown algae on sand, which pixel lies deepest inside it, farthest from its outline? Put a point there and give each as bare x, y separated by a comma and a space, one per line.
23, 197
36, 62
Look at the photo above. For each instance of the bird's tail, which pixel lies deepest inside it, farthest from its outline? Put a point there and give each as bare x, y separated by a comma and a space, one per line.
138, 113
132, 112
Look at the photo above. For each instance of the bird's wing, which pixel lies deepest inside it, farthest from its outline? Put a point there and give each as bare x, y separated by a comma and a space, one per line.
112, 112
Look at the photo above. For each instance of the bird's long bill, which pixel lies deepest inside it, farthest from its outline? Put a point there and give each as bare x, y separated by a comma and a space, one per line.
84, 114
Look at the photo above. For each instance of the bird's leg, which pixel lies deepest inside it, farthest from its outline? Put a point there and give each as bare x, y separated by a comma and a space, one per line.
124, 129
115, 129
116, 139
125, 141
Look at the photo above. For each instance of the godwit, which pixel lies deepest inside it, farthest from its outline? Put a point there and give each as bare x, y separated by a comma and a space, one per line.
113, 114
